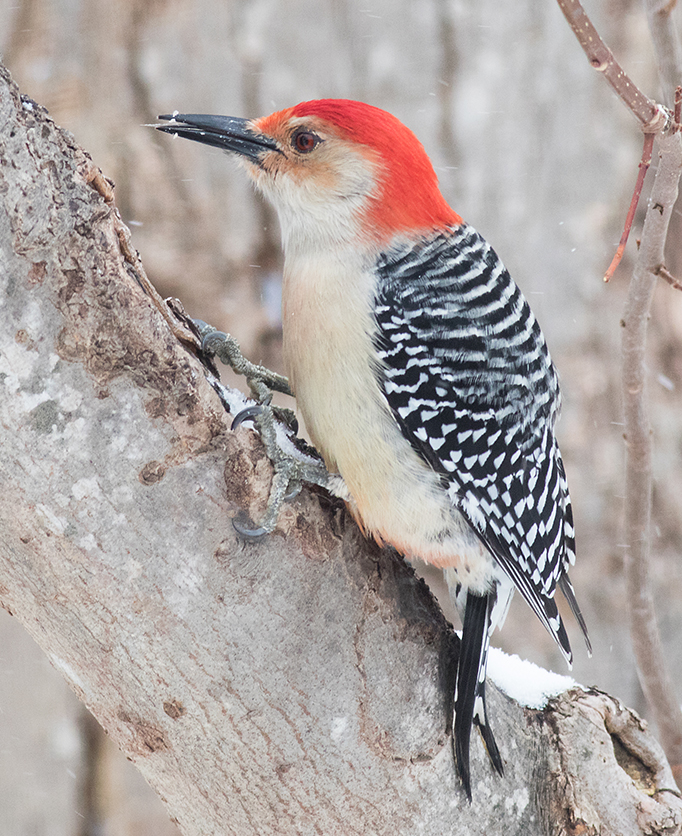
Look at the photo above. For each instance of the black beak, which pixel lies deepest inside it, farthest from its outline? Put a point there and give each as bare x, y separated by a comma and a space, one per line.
227, 132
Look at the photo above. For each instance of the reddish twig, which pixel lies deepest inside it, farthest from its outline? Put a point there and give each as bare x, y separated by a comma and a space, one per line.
653, 118
652, 664
644, 164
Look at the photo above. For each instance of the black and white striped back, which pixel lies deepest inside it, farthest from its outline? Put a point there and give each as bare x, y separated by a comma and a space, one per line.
467, 374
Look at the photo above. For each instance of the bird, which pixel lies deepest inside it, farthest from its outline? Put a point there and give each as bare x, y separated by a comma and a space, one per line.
420, 371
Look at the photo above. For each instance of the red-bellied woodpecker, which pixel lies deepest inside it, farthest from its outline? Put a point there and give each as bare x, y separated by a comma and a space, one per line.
421, 373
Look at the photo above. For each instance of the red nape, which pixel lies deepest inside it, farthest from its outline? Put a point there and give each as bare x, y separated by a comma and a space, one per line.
409, 199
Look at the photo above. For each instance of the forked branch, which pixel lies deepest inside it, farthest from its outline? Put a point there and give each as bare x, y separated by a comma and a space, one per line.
654, 119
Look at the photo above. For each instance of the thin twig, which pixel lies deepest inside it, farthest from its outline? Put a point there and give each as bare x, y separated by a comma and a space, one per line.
654, 674
644, 164
651, 116
653, 671
664, 273
651, 661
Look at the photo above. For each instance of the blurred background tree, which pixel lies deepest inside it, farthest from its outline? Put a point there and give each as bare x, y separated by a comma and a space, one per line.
531, 147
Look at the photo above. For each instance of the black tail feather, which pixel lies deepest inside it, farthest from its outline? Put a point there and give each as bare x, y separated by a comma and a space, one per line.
470, 704
566, 587
489, 740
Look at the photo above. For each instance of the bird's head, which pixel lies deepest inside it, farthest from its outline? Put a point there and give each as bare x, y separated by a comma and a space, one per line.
337, 171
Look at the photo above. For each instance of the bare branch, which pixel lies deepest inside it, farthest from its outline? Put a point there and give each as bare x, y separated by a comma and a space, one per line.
653, 672
646, 639
651, 116
653, 669
665, 274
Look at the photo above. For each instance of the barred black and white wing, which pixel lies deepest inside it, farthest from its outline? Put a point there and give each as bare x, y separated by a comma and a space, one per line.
467, 374
465, 370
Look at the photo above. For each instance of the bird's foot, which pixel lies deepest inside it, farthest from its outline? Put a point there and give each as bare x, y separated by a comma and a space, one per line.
294, 461
292, 466
262, 381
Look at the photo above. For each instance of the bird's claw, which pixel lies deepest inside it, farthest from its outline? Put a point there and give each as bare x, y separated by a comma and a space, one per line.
262, 381
249, 533
290, 470
293, 490
247, 414
212, 341
286, 481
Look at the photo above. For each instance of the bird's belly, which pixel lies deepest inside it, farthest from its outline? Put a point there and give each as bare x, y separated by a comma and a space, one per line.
396, 497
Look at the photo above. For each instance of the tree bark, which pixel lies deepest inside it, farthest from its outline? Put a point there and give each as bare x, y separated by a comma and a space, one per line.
301, 684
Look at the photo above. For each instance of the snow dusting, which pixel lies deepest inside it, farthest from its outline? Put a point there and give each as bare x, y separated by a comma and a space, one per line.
339, 728
528, 684
236, 402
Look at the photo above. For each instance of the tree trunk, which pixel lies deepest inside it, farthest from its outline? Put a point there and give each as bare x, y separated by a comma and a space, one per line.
300, 684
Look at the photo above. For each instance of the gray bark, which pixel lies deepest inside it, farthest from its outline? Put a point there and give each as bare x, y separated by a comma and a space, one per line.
296, 685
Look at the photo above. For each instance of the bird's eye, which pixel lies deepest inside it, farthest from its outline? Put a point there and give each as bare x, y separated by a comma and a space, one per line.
305, 141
